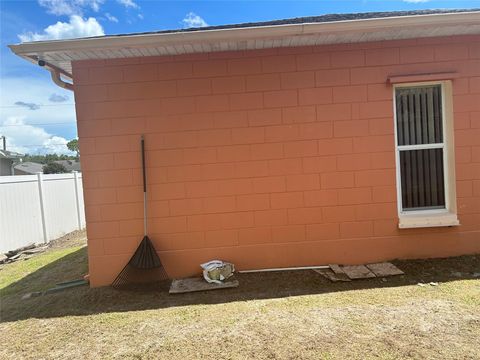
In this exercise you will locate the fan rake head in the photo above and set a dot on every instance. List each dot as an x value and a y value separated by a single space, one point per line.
142 268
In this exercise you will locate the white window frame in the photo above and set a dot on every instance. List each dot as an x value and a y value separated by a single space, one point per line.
430 217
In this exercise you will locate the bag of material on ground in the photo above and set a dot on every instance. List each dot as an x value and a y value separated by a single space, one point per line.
216 271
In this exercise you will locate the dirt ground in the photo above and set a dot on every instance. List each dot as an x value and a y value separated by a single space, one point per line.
75 238
287 315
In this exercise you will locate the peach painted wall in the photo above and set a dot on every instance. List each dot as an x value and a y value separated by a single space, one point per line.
270 158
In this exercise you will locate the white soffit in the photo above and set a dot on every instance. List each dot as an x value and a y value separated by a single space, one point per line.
60 53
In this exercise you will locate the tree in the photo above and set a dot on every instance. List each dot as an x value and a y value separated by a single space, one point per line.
72 145
54 168
47 158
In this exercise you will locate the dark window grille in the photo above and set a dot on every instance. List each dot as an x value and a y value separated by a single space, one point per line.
420 145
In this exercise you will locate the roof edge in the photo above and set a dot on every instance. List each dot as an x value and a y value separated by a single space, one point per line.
244 33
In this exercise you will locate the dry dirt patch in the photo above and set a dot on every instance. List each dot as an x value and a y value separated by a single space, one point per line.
73 239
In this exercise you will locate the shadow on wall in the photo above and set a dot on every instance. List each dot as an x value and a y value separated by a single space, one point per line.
86 301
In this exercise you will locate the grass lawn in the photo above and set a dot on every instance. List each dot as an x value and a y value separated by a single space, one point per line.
294 315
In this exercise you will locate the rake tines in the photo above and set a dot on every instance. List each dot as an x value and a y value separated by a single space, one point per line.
144 266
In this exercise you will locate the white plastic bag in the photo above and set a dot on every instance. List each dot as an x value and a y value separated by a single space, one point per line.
216 271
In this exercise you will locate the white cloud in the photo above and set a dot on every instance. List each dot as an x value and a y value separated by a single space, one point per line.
128 4
416 1
140 16
111 18
51 123
30 139
70 7
75 28
193 20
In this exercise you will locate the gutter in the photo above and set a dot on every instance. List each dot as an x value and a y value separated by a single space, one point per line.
248 33
35 51
58 80
55 73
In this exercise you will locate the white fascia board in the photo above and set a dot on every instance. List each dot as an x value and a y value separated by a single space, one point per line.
250 33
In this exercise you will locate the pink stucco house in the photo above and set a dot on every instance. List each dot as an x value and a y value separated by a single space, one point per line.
332 139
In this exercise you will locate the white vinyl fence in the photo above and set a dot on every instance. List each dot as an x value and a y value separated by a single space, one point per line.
39 208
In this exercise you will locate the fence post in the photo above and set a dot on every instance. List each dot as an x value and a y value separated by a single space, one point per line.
42 206
77 200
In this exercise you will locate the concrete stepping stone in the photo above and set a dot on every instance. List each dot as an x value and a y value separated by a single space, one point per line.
358 272
385 269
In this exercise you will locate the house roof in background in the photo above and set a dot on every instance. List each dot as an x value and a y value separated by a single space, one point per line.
10 154
316 30
70 165
29 167
33 167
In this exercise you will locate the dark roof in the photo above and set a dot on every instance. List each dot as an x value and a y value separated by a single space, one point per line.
70 165
29 167
311 19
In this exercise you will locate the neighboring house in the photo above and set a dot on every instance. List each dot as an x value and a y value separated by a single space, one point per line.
69 165
7 161
7 158
28 168
333 139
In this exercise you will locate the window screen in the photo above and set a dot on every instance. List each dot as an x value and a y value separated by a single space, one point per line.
420 144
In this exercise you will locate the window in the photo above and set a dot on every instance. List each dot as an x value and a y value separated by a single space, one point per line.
423 137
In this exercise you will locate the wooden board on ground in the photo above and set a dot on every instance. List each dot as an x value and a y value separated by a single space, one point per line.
336 269
332 275
11 253
385 269
34 251
198 284
358 272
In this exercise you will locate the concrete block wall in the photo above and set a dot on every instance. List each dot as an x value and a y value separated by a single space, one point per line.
267 158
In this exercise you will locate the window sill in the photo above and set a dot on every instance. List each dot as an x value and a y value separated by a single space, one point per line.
427 220
410 78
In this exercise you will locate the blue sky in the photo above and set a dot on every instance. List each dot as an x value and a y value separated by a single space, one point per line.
38 117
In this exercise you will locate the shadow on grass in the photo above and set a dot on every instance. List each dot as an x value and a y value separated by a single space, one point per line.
86 301
73 265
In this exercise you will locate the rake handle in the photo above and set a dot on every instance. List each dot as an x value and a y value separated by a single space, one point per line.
143 165
142 144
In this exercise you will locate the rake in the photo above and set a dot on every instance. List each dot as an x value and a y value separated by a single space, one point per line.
145 265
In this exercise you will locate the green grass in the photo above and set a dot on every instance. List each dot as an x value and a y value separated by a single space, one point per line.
291 315
17 271
23 275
